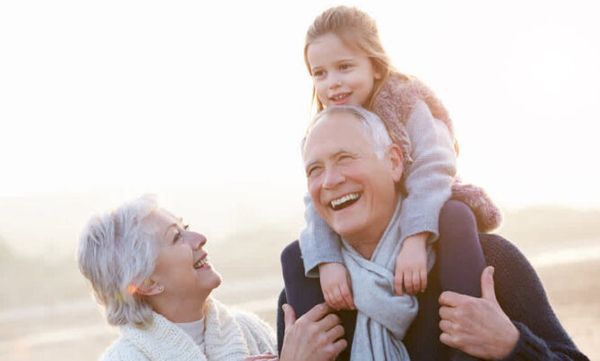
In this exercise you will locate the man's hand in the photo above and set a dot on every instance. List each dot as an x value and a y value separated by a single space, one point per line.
335 283
477 326
411 265
314 336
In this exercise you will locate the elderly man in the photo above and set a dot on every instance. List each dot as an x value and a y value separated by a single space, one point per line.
344 159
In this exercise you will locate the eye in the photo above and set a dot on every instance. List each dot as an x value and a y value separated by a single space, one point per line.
177 236
318 74
345 158
345 66
313 171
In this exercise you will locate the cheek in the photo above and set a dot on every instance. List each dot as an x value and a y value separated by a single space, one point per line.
321 91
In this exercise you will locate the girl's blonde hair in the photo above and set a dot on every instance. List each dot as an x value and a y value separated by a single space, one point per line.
356 29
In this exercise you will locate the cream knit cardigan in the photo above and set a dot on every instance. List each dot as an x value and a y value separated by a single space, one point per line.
229 335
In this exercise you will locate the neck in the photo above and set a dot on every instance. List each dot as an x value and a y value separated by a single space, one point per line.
366 242
178 309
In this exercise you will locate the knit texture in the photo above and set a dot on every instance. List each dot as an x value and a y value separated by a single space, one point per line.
383 317
228 336
394 104
522 297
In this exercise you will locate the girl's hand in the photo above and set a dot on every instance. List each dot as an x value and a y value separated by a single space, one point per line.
411 265
335 283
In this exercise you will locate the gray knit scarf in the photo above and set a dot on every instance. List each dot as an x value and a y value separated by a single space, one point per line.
383 317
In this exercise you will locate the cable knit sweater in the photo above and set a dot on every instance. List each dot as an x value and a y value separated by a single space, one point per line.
229 335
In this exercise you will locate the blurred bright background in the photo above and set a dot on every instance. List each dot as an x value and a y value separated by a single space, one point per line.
204 104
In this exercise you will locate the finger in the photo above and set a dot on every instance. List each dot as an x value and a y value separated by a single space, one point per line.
487 284
335 333
447 313
289 316
347 296
328 299
446 339
328 322
338 300
423 280
447 326
408 285
416 278
399 282
318 312
338 346
451 299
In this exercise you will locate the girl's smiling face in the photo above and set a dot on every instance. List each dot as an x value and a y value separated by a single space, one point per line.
341 74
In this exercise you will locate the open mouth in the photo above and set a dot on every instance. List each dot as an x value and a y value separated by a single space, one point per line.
340 98
344 201
201 263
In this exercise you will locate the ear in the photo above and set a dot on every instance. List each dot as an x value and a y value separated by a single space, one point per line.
149 288
377 71
396 159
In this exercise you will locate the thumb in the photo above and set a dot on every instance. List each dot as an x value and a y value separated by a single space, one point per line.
289 316
487 284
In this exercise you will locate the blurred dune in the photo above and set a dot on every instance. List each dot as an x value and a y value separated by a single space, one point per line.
49 313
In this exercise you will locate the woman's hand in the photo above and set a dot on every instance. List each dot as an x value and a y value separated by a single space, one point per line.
477 326
335 283
316 336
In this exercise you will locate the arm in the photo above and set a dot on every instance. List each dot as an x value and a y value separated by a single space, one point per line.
322 257
430 175
428 183
318 242
524 304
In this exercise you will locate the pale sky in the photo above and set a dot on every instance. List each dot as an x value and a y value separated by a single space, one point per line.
159 96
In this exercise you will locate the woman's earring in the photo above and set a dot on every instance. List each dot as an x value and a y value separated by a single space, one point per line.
160 288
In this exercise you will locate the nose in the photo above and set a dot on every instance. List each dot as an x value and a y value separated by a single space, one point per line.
334 81
195 240
332 178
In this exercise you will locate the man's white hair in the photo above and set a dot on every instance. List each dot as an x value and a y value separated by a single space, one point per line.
117 251
372 124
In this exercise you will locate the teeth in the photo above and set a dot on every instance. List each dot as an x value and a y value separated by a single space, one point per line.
201 262
344 199
339 96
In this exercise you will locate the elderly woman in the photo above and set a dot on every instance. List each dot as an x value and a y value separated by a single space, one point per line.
152 275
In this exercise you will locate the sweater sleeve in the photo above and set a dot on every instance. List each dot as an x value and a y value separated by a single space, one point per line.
318 242
522 297
430 175
532 347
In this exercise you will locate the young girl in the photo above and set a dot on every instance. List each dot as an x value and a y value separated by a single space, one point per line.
346 60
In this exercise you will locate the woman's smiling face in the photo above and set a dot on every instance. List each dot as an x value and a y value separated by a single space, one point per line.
182 266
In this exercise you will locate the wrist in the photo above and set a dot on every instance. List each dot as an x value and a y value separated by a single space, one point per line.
508 344
418 238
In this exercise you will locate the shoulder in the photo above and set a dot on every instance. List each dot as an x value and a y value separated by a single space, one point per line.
122 350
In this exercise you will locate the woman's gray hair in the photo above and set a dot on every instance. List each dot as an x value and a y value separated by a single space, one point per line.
117 251
372 124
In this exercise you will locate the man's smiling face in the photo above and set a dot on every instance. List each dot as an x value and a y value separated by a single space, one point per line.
351 187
